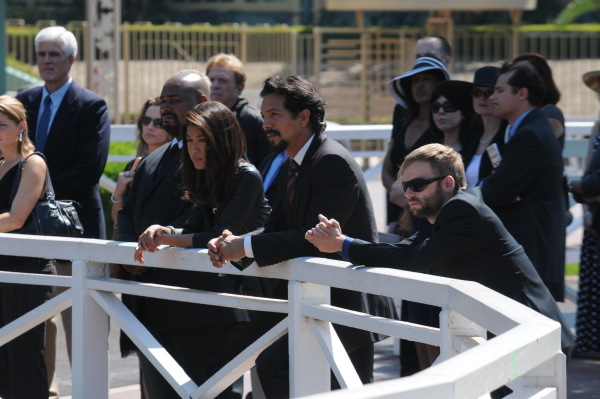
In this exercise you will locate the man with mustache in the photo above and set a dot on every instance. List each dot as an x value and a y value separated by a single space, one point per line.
319 176
191 333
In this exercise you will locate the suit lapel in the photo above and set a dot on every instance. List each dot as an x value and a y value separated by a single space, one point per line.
63 114
168 162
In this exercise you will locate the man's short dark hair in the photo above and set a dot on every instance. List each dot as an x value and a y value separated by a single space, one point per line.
299 94
525 76
446 47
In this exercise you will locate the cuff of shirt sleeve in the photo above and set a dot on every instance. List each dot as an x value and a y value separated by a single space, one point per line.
346 248
248 247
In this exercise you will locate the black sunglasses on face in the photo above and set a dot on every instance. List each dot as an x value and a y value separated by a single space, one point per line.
447 107
419 184
157 122
476 93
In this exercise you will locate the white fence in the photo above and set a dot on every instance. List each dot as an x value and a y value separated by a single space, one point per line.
525 355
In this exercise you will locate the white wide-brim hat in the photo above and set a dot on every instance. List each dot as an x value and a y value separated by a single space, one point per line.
422 64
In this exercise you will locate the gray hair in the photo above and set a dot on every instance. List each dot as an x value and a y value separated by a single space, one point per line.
53 33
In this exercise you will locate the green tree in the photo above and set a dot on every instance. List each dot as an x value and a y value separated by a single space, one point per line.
575 9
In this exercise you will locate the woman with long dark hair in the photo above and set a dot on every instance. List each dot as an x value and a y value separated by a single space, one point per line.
227 192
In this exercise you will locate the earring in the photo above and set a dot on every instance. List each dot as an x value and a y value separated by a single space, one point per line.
21 136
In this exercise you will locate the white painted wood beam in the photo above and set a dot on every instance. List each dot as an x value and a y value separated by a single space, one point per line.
145 342
334 351
363 321
34 317
240 364
189 295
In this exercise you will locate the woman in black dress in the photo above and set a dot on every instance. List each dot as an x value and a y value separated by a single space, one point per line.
22 368
412 90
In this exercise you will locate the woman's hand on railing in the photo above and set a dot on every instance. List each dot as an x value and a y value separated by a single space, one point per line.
326 236
153 237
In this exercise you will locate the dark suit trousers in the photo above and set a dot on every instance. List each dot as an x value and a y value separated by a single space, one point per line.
22 367
192 348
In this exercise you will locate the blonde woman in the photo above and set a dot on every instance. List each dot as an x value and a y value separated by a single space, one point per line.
22 359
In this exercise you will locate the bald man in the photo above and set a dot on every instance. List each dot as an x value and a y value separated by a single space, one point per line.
190 333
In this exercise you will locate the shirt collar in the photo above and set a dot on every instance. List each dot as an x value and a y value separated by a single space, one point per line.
176 141
300 155
58 95
518 121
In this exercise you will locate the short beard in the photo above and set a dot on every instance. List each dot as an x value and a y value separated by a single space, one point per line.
173 130
431 205
280 147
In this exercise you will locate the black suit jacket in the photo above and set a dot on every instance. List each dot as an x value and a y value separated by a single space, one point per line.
76 149
467 242
155 197
331 183
272 192
250 120
532 169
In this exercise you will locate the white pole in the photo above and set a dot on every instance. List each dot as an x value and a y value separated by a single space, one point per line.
90 336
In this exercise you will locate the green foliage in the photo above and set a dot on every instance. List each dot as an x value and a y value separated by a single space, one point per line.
21 66
575 9
572 269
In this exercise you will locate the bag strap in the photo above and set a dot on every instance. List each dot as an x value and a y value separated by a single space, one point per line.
17 181
135 164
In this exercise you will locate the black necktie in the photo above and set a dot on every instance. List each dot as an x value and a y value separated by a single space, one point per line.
292 174
43 126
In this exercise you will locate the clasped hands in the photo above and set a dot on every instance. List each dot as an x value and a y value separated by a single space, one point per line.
326 235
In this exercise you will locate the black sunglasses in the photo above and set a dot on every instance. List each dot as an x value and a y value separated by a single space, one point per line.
476 93
157 122
447 107
419 184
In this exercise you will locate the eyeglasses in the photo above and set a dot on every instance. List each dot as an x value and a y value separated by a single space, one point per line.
476 93
447 107
157 122
419 184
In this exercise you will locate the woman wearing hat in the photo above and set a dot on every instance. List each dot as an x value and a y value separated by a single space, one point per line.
491 129
412 90
587 191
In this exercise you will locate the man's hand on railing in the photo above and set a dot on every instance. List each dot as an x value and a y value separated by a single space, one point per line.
224 248
326 236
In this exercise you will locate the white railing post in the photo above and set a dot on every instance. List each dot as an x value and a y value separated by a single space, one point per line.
454 328
309 370
90 335
550 374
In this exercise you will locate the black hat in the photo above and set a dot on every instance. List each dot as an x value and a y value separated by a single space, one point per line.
422 64
592 80
457 95
458 92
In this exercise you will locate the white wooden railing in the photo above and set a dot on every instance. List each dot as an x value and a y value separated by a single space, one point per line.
525 355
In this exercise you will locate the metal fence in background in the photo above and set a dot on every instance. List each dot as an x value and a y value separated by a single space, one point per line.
350 66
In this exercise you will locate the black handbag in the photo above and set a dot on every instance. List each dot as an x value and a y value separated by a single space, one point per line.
49 217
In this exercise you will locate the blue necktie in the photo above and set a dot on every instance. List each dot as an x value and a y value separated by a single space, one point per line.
43 126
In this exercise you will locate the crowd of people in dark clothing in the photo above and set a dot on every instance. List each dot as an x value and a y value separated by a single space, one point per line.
474 174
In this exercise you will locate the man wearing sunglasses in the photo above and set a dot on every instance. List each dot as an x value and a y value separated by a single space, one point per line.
459 236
